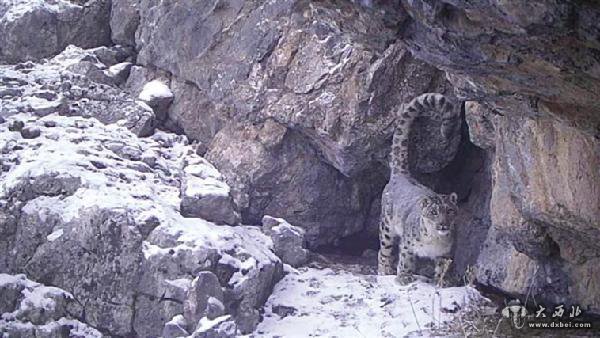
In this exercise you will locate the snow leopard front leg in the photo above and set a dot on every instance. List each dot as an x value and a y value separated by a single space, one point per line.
387 242
442 265
407 261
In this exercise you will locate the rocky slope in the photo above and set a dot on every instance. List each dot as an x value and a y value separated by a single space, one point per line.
96 211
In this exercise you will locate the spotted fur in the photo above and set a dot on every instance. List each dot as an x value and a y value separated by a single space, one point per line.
416 220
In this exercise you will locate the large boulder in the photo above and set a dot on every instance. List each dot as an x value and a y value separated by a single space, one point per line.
94 210
34 29
205 194
288 240
274 171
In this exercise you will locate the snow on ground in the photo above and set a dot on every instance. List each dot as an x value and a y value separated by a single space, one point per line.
312 302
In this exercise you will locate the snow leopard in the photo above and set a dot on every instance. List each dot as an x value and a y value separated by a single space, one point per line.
415 219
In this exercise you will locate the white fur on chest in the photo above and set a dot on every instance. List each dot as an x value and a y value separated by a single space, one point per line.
433 247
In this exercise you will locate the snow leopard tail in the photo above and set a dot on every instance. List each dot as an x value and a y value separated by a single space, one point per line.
434 102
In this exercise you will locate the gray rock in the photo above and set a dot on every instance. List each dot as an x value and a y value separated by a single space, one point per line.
175 328
120 72
124 20
30 309
204 287
214 308
275 171
16 125
118 245
30 132
288 240
222 327
481 125
43 29
158 96
75 82
205 194
113 55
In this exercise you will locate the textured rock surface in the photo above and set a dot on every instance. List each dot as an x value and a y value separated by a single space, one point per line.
538 54
74 82
214 204
204 287
34 29
288 240
330 71
124 20
272 170
545 203
82 209
30 309
534 65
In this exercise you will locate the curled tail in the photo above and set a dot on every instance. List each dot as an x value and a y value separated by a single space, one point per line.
425 102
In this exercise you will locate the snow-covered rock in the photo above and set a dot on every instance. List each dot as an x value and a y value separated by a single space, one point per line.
314 302
203 288
33 29
288 240
82 209
30 309
221 327
205 194
158 96
75 82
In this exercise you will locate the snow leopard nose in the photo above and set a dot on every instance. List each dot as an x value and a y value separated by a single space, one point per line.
446 226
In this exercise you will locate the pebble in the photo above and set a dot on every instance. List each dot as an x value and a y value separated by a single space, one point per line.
16 125
30 132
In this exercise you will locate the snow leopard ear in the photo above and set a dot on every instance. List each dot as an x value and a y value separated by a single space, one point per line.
425 202
453 198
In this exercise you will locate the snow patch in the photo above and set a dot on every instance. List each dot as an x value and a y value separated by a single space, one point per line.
312 302
155 89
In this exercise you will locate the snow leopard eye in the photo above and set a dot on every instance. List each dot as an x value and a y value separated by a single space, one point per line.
434 212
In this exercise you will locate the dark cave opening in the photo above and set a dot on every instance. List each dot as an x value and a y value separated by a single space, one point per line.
469 175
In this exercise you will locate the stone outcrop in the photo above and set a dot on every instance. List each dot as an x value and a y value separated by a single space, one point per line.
35 29
525 57
94 210
75 82
330 71
273 170
288 240
30 309
530 72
